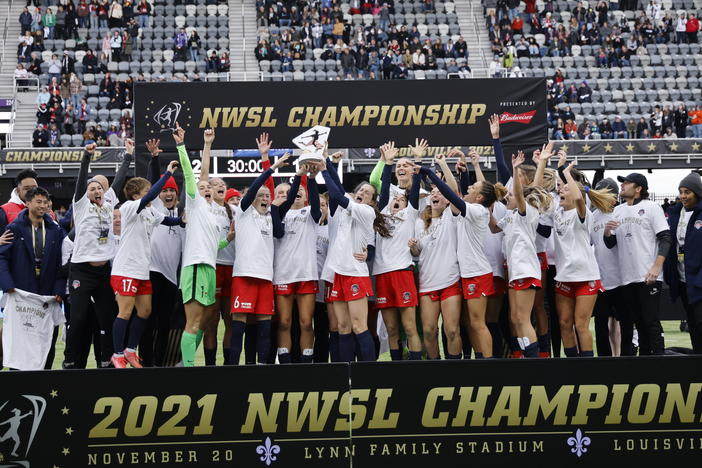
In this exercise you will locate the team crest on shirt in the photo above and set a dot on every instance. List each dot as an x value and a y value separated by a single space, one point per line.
591 284
304 211
642 212
75 284
406 296
698 224
471 288
355 289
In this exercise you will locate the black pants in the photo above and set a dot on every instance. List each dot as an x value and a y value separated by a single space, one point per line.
154 340
608 305
89 284
321 332
550 303
643 308
694 320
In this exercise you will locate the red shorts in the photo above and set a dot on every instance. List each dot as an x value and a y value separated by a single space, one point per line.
477 286
574 289
253 296
299 287
327 292
525 283
350 288
125 286
543 260
499 286
395 289
443 294
224 280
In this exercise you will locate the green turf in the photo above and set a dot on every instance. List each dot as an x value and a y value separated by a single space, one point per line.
671 328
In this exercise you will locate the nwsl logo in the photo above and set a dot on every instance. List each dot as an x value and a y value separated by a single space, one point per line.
167 116
524 118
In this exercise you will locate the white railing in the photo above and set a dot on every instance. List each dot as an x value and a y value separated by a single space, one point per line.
4 31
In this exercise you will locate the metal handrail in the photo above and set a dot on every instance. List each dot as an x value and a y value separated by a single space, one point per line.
4 31
15 101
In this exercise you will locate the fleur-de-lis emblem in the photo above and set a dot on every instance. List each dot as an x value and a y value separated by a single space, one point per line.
579 443
268 451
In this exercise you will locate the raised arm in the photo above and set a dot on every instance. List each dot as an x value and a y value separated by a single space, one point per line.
377 172
121 176
336 191
503 173
313 198
292 193
389 153
263 143
475 161
208 136
188 176
446 170
65 221
258 183
574 192
542 158
278 224
517 190
82 181
155 189
446 191
414 190
154 168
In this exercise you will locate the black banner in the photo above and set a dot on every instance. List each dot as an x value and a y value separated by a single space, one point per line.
58 155
554 412
360 113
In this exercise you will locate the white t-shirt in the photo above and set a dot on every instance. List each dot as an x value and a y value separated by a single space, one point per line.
133 258
253 244
296 252
111 197
27 329
166 245
327 274
471 236
393 253
519 243
226 255
636 238
681 232
94 241
438 262
607 259
493 243
201 233
353 234
575 259
322 249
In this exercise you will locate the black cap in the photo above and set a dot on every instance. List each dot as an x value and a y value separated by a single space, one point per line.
636 178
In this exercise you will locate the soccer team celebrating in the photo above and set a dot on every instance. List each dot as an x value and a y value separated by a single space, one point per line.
513 268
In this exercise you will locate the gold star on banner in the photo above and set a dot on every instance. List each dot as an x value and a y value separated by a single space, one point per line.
586 148
695 146
53 393
69 430
151 102
563 148
673 146
630 148
608 148
652 147
65 451
64 410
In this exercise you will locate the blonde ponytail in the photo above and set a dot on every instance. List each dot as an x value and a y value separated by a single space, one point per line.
538 197
603 199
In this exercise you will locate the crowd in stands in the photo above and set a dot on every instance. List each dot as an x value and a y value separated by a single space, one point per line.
63 106
373 50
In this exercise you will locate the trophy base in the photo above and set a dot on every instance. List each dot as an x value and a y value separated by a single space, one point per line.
310 157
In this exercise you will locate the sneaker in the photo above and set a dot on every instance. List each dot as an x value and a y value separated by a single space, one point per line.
118 361
544 354
517 354
132 359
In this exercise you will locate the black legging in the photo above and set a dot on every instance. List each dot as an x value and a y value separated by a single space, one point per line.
154 340
608 305
321 332
642 307
554 327
87 284
694 320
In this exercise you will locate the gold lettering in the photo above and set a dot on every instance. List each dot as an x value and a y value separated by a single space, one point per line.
396 115
432 116
449 116
428 418
414 115
464 110
297 418
466 404
233 116
383 115
312 116
540 403
379 421
258 411
371 113
329 119
253 118
476 111
675 401
586 401
268 121
357 412
652 391
350 117
209 119
615 409
507 406
293 119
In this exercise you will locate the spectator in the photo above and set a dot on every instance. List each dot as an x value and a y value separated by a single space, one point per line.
400 72
631 128
144 12
43 114
115 14
194 46
619 128
116 46
681 28
213 62
83 14
67 64
49 22
605 129
348 63
100 136
460 49
90 63
20 76
75 86
107 86
669 135
180 42
418 60
69 127
40 137
287 63
54 136
60 28
223 64
103 14
38 21
680 121
54 69
82 114
43 96
691 28
25 20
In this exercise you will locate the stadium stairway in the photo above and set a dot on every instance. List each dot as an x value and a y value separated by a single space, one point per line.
242 37
472 23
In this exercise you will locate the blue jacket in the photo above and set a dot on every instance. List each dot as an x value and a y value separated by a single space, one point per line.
17 259
693 255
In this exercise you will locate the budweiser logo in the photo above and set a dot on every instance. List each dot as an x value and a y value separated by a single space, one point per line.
524 118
